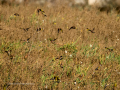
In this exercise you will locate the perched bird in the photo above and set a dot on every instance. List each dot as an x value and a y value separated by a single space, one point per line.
56 79
28 39
60 58
39 29
40 10
16 14
9 54
73 27
92 31
52 40
109 49
25 29
60 30
97 68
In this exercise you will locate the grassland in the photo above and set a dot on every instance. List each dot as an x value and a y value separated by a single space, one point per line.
59 48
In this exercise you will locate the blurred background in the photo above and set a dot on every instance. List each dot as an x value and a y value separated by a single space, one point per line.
48 2
72 3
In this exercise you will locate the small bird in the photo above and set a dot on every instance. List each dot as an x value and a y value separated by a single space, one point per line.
97 68
39 29
25 29
52 40
40 10
92 31
73 27
60 58
60 30
16 14
109 49
56 79
28 39
9 54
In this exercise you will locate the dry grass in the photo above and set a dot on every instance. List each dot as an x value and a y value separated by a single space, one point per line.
33 55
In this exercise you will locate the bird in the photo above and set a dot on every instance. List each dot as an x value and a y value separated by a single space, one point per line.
9 54
28 39
56 79
60 30
92 31
97 68
109 49
16 14
39 29
73 27
25 29
40 10
53 40
60 58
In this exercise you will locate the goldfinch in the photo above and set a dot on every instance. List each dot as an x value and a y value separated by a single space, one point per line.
60 30
40 10
52 40
25 29
39 29
92 31
16 14
9 54
109 49
56 79
28 39
73 27
60 58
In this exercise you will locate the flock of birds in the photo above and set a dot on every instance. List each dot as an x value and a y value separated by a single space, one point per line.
55 78
52 40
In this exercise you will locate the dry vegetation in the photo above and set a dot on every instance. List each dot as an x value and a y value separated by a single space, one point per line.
60 48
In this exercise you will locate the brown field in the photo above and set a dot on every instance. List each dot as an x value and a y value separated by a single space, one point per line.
39 52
